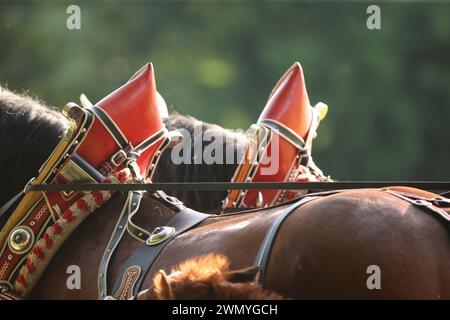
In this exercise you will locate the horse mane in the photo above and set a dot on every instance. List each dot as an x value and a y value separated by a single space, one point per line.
29 130
208 277
216 172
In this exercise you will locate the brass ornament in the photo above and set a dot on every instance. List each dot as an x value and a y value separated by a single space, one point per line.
160 234
21 239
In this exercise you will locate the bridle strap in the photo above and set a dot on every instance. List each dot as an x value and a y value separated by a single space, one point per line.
127 151
111 126
147 143
246 171
285 132
106 121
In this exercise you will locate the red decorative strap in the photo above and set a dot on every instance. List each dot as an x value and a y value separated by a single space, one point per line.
44 248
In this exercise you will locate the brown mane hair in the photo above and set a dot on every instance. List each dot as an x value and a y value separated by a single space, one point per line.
232 142
29 131
207 277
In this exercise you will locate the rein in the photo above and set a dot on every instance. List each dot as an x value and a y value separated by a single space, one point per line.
219 186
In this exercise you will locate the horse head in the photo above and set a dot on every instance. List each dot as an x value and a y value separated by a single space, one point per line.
119 138
128 126
282 142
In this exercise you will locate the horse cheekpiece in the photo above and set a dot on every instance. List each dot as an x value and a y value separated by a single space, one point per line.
282 137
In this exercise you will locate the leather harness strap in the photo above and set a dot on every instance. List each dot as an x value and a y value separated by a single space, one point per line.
262 257
130 207
139 263
292 137
424 203
263 254
144 256
111 126
141 260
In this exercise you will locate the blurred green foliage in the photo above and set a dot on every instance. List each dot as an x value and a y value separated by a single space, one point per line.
388 90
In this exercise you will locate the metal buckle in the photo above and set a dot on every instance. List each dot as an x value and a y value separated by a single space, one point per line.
160 234
135 171
4 287
29 183
118 158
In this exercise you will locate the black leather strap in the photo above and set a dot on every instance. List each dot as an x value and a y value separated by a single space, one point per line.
149 141
144 256
90 170
295 139
264 251
130 207
110 126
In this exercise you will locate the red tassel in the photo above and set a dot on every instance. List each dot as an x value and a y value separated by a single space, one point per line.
82 205
30 266
98 197
48 241
39 252
21 279
68 215
57 229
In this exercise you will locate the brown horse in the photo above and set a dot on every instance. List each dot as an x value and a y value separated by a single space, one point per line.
325 248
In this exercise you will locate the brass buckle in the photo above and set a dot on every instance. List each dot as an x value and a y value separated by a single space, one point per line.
118 158
4 286
29 183
160 234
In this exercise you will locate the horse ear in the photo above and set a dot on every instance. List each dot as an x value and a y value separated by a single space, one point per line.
163 289
250 274
288 103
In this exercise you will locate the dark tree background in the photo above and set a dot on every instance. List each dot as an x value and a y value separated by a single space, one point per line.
388 90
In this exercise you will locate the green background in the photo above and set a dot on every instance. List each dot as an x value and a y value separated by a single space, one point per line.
388 90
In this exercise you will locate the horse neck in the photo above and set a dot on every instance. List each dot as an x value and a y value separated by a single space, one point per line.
29 131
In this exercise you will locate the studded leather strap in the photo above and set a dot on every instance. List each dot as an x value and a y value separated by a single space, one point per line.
144 256
130 207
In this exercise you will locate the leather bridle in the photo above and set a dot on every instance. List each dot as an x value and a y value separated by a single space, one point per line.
220 186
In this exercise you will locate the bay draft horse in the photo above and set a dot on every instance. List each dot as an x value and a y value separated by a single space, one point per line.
323 249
